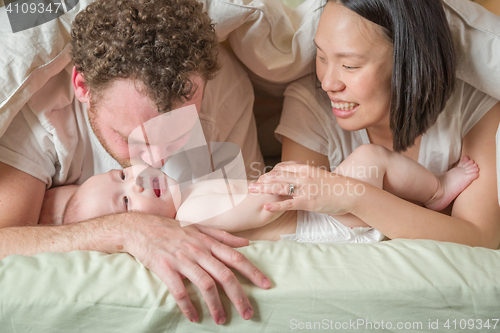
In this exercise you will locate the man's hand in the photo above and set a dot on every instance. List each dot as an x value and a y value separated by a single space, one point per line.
200 254
54 203
159 243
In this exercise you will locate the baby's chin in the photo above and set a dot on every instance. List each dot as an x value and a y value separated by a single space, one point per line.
170 215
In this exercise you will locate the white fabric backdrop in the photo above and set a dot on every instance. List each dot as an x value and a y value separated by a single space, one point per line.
272 40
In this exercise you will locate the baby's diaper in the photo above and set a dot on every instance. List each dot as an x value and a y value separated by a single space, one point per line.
322 228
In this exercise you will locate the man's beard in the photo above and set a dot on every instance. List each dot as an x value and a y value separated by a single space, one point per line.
124 162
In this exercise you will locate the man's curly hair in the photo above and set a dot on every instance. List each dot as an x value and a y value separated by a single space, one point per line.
161 43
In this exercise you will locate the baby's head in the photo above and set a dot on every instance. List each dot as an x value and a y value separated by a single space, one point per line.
137 188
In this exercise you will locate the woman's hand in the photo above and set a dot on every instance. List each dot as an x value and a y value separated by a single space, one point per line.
314 189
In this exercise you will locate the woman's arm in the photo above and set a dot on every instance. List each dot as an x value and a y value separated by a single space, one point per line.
293 151
475 218
479 202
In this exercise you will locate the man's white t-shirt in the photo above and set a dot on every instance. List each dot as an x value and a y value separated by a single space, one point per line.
50 138
307 119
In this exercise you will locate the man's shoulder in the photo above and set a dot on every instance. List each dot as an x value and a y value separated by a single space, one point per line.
231 73
228 93
230 63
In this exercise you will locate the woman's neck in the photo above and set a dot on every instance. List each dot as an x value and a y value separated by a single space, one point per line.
384 138
381 136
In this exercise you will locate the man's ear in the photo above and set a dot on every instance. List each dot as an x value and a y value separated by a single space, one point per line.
81 90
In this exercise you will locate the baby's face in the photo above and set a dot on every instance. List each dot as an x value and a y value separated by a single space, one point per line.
137 188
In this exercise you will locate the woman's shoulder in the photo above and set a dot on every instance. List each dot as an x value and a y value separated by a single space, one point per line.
306 86
443 141
466 106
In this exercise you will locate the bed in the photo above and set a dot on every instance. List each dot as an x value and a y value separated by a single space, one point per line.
405 284
392 286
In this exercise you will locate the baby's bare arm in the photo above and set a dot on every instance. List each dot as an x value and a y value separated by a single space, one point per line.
211 205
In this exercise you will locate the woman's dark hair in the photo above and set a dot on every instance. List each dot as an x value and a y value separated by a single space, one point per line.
423 75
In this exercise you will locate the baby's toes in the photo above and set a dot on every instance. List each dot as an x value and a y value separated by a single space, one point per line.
464 160
472 169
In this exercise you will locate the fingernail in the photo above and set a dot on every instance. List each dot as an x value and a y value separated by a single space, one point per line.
194 319
248 314
268 206
266 282
222 320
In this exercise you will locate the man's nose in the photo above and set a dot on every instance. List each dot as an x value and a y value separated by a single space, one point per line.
332 81
155 155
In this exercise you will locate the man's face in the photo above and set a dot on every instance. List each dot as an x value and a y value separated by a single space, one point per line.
121 109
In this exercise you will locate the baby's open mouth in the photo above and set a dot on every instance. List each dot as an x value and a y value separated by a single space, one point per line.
155 183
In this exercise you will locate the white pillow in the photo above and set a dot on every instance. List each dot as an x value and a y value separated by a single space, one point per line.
29 58
270 39
476 33
280 49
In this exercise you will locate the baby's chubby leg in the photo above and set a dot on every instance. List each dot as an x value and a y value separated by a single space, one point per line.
406 178
367 164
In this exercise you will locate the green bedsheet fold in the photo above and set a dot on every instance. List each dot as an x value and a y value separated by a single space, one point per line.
393 286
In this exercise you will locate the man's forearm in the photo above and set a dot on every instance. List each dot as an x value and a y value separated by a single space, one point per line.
101 234
161 245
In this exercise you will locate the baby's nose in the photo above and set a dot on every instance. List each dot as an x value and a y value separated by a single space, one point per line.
138 188
138 184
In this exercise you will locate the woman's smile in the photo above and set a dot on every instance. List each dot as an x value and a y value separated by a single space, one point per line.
343 109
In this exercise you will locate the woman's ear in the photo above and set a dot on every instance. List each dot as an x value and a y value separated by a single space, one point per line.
81 89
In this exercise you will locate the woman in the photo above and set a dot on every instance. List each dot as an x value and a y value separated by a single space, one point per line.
386 70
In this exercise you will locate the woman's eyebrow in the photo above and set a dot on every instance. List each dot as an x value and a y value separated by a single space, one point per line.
349 55
315 44
343 54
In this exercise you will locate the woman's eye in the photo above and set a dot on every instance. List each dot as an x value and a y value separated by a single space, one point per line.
349 67
125 202
122 175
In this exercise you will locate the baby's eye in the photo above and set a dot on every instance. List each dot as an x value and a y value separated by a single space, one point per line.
125 202
122 175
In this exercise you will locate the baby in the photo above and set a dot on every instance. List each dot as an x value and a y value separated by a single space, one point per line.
227 204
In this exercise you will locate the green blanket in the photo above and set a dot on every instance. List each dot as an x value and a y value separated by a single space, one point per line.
394 286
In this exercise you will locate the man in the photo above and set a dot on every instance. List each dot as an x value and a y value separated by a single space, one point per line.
134 60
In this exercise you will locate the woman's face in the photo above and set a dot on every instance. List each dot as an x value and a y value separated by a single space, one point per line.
354 66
